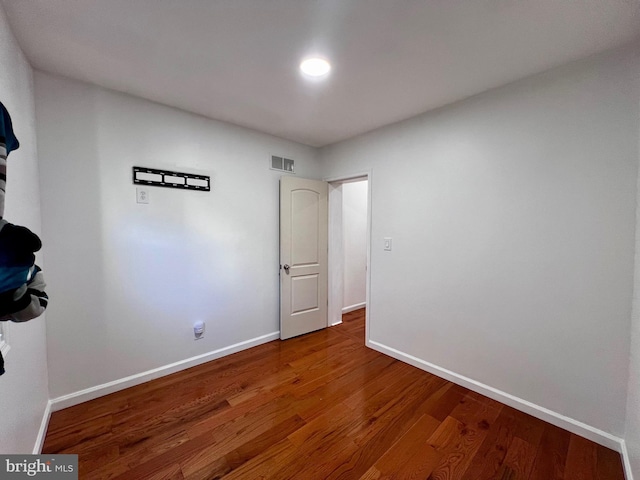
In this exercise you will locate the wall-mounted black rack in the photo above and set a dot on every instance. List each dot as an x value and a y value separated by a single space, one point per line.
167 178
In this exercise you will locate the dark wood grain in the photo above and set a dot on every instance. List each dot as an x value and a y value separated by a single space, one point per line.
320 406
581 459
552 455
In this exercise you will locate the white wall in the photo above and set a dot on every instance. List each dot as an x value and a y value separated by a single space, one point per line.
354 231
23 389
512 215
134 278
632 426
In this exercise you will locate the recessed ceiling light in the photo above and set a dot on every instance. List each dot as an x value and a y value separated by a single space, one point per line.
315 67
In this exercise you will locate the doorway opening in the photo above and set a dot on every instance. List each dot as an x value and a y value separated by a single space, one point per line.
349 247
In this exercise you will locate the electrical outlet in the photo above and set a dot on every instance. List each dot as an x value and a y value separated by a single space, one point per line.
198 330
142 195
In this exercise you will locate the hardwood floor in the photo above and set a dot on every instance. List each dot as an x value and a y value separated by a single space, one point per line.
319 406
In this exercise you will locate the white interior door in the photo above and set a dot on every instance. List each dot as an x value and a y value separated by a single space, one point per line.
303 256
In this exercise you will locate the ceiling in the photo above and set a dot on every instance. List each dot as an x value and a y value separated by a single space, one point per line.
237 60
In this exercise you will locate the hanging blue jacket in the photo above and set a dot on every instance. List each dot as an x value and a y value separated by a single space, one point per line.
6 131
22 295
8 143
17 248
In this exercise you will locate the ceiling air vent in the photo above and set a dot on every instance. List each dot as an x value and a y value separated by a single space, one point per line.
282 164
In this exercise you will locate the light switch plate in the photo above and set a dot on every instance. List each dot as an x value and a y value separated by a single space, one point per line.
142 195
387 243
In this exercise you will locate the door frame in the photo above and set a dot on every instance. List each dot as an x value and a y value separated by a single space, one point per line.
335 264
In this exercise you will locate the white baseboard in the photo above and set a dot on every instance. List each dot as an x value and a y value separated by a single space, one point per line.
574 426
42 433
356 306
626 461
76 398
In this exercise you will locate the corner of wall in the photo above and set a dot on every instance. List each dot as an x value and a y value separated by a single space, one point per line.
24 387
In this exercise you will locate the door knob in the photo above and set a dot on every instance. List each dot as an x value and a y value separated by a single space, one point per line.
286 268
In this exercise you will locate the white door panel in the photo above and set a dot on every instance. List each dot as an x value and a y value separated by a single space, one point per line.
305 217
304 293
303 256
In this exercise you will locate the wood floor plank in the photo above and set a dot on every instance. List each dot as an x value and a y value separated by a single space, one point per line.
263 386
139 451
528 428
519 460
237 435
158 464
581 459
329 421
244 422
411 456
552 455
319 406
448 402
95 458
77 433
321 463
266 464
492 452
608 464
478 413
394 377
388 382
178 415
320 445
253 448
88 411
231 455
457 446
172 472
381 427
313 402
460 436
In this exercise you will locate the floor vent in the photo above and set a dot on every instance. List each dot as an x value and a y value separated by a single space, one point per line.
282 164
